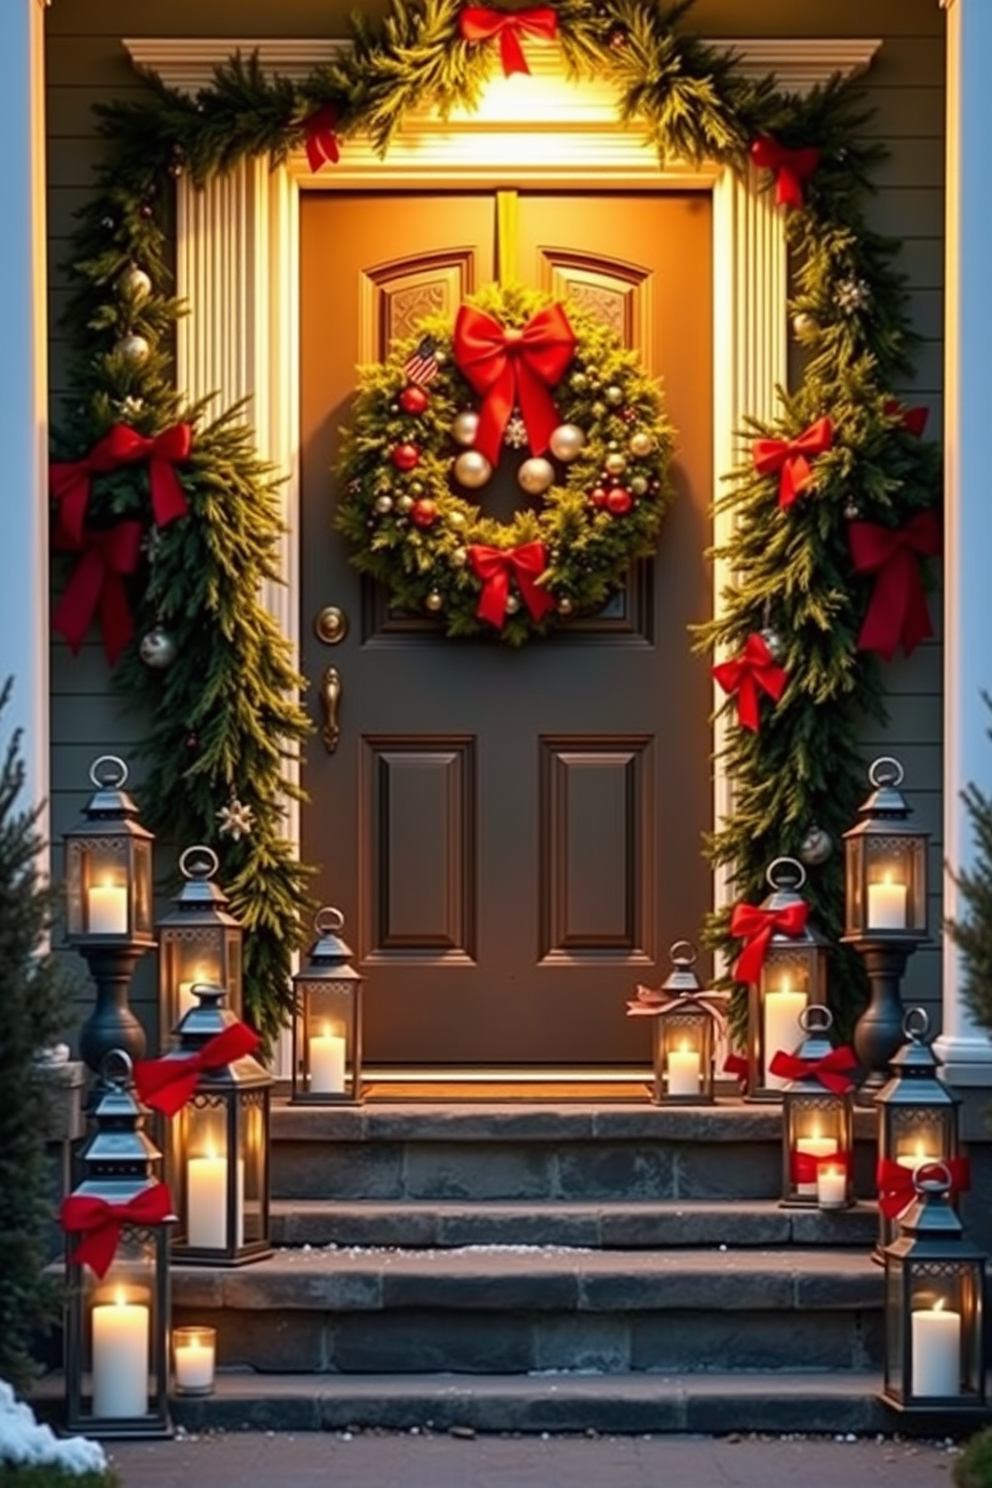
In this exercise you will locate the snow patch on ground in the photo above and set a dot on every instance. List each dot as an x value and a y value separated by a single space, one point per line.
27 1443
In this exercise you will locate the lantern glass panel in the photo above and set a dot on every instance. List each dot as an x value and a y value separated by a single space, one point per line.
818 1129
789 983
944 1302
895 1332
121 1324
254 1150
894 874
201 1151
854 886
329 1015
143 889
683 1055
914 1134
97 877
203 953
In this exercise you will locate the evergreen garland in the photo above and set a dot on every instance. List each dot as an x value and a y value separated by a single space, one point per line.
792 568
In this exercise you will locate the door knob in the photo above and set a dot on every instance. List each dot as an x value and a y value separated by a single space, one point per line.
330 701
330 625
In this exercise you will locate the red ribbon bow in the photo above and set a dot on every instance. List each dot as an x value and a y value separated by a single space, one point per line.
72 481
737 1065
896 1189
805 1168
897 611
100 1223
97 582
478 23
833 1071
789 456
756 926
754 668
655 1002
167 1084
507 366
791 167
319 131
913 420
494 567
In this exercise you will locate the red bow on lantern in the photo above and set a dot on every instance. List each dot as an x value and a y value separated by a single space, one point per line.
477 23
167 1084
737 1066
506 366
913 420
756 926
833 1071
320 137
789 456
97 582
655 1002
100 1223
805 1168
495 565
897 611
754 668
896 1188
71 481
791 167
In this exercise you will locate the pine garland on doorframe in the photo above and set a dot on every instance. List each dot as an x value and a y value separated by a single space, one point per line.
973 932
794 571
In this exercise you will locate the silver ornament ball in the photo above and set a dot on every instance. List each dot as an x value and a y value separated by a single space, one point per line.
566 443
465 428
459 557
815 847
535 475
614 395
158 649
774 642
640 444
615 464
564 605
472 470
512 604
639 485
434 602
852 511
136 283
578 382
383 504
133 348
404 503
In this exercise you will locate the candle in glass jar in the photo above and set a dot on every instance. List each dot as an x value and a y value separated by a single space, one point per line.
327 1063
107 909
683 1071
887 905
195 1351
936 1351
120 1359
781 1027
818 1147
831 1186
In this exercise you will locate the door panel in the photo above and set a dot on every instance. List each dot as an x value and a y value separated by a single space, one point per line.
513 837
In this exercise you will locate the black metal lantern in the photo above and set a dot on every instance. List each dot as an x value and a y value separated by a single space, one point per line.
200 941
817 1127
108 878
793 977
684 1017
934 1276
117 1274
885 872
917 1123
327 1028
218 1148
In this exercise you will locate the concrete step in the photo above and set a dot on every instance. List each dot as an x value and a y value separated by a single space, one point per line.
614 1225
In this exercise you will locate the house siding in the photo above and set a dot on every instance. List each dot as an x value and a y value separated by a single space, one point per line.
86 64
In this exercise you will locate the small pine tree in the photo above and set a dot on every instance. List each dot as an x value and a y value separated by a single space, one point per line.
33 1012
974 933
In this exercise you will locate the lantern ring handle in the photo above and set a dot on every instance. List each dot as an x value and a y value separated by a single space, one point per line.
328 919
116 1068
773 873
941 1183
683 960
816 1017
108 759
199 861
916 1024
878 780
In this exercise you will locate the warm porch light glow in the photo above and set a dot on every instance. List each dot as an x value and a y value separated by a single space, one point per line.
887 904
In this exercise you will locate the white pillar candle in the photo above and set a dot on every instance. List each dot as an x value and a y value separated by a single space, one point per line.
120 1359
813 1147
781 1018
206 1179
831 1186
327 1063
683 1072
916 1157
107 904
195 1357
936 1360
887 905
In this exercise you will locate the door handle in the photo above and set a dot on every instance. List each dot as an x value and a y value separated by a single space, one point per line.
330 702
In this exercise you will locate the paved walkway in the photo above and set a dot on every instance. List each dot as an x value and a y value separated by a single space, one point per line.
247 1460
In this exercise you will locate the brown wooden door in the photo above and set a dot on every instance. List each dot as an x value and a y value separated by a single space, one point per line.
513 836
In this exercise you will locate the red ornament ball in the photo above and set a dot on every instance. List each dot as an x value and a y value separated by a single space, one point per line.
414 399
423 513
619 501
598 496
405 456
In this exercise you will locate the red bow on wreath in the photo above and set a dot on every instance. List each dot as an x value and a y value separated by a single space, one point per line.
791 168
913 420
100 1223
167 1084
897 611
495 565
756 927
320 137
71 481
754 668
896 1187
833 1071
478 23
789 456
97 582
507 366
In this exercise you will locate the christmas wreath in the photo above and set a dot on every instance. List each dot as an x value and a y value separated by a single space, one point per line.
517 376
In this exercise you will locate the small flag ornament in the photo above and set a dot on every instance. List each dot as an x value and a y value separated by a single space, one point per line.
422 366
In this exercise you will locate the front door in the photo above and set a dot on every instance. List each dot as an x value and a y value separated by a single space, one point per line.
514 836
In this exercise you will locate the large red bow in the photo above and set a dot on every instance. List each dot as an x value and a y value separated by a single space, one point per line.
100 1223
804 1167
754 668
789 456
913 420
477 23
494 567
97 582
833 1071
791 167
737 1065
506 365
896 1188
167 1084
319 131
756 926
655 1002
71 481
897 611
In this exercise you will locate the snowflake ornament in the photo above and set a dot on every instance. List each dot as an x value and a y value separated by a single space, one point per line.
852 295
131 407
236 820
515 433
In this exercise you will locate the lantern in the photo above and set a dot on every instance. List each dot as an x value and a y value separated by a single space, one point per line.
327 1028
817 1122
684 1017
199 942
934 1354
117 1274
792 977
108 877
218 1148
918 1123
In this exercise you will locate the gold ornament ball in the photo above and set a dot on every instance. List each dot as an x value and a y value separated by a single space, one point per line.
472 470
639 485
457 520
614 395
133 348
615 464
434 602
535 475
598 409
564 605
465 428
578 382
459 557
512 604
136 283
566 443
801 323
640 444
383 504
404 504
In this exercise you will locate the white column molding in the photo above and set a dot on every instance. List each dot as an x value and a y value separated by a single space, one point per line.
965 1048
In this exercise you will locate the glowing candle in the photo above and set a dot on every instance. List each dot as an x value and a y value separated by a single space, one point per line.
936 1351
913 1159
120 1359
781 1015
206 1179
887 905
831 1186
195 1350
683 1071
327 1063
814 1146
107 909
202 975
